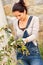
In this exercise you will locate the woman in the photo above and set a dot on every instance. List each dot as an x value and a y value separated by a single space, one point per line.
27 29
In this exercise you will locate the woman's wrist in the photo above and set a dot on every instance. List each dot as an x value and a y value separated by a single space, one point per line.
25 40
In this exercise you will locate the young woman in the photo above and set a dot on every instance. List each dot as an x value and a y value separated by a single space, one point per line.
27 28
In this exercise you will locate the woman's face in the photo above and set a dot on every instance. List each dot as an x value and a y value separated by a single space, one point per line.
20 15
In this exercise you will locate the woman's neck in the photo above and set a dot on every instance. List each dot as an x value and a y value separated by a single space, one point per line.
22 24
25 19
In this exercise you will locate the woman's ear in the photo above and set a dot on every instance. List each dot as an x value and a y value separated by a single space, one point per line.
24 11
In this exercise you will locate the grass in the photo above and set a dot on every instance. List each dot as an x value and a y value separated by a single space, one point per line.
40 40
41 48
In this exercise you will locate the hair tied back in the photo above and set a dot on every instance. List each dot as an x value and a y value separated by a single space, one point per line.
21 2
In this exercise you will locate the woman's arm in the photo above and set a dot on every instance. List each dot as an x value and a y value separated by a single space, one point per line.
35 30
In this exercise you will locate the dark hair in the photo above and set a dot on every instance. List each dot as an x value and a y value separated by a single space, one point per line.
20 6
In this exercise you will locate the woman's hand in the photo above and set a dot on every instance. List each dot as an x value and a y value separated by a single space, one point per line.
25 40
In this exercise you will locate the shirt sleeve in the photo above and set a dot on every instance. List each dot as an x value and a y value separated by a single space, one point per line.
35 30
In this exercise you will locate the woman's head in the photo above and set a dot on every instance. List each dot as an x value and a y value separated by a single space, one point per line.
19 9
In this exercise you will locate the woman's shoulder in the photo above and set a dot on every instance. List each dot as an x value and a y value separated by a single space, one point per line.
35 17
35 20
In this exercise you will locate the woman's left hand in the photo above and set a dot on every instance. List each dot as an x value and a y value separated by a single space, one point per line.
25 40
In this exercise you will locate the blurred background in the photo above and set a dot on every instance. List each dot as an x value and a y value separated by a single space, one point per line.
35 7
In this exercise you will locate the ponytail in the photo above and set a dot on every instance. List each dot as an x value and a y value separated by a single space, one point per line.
20 6
22 2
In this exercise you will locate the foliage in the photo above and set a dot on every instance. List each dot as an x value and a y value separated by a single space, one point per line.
41 49
7 52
